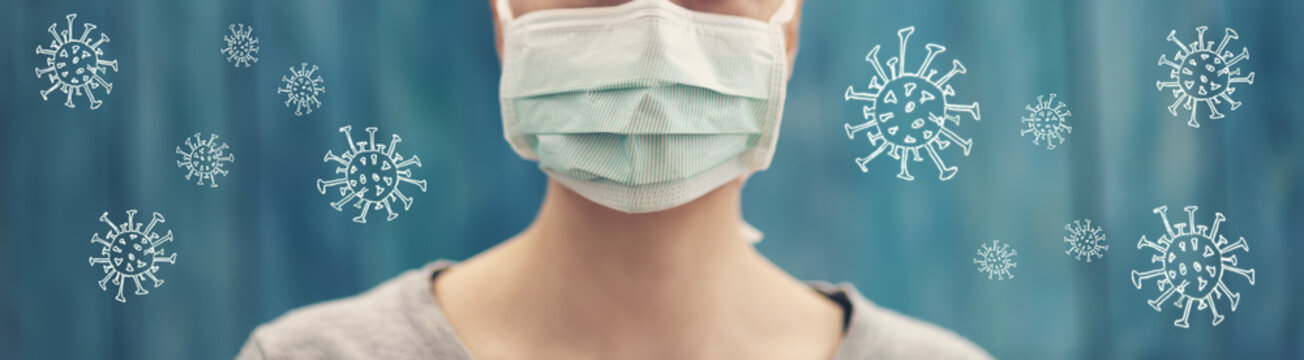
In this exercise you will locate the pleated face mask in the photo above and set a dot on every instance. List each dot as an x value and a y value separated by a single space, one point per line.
643 106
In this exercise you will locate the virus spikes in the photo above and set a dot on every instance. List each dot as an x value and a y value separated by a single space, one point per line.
371 132
946 172
1192 260
1046 122
131 253
302 89
204 159
117 230
965 144
957 68
1203 74
872 58
918 100
75 66
153 221
242 32
348 138
904 35
897 65
370 175
241 46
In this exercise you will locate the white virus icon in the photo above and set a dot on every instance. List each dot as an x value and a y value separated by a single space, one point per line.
131 253
370 174
1047 122
1192 261
204 159
302 89
1085 239
996 260
909 111
241 46
1203 74
74 64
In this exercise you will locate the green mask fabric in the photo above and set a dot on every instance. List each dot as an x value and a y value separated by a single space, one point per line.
646 105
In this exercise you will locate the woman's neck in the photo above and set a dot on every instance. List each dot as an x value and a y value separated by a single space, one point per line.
683 282
574 234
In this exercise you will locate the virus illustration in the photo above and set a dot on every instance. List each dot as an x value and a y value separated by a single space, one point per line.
301 88
1085 239
1046 122
1203 74
909 111
241 46
75 65
996 260
204 159
1192 261
370 174
131 253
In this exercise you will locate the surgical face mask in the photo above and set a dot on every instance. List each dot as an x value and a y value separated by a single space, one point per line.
646 105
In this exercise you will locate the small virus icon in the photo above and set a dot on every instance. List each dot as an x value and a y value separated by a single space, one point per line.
74 64
996 260
1204 74
204 159
909 111
1085 239
1192 260
130 253
1046 122
241 46
301 88
370 174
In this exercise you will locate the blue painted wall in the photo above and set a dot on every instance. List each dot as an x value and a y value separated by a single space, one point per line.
266 241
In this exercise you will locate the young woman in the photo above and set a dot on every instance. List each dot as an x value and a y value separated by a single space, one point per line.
648 116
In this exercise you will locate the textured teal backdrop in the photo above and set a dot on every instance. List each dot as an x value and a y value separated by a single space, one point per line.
266 241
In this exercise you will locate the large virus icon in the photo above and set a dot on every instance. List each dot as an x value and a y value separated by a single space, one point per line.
996 260
302 89
204 159
241 46
1047 122
1192 261
75 65
1203 74
131 253
909 111
1085 239
370 174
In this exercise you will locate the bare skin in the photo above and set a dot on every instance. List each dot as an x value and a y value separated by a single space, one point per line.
587 282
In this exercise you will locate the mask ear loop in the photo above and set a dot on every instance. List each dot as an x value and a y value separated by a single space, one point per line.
504 11
785 13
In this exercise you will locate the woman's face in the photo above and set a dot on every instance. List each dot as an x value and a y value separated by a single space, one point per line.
755 9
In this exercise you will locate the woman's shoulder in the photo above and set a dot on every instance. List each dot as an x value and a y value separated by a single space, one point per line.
389 321
874 332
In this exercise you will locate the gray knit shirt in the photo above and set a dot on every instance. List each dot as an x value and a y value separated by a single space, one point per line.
399 319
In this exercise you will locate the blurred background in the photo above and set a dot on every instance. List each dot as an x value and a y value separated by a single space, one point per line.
266 241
